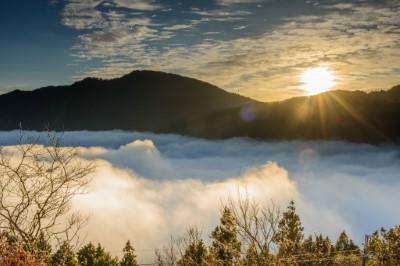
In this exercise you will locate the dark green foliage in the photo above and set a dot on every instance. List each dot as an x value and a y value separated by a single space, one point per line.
225 246
290 233
129 258
64 256
90 255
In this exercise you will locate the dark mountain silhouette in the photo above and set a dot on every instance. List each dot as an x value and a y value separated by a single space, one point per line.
168 103
336 115
141 100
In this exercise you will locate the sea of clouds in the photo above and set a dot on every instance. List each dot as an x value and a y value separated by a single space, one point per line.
148 187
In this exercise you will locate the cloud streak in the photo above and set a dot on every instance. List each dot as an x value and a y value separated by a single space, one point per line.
347 37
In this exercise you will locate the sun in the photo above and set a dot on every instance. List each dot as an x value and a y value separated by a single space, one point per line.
317 79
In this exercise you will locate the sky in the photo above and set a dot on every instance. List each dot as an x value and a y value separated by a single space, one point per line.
257 48
149 187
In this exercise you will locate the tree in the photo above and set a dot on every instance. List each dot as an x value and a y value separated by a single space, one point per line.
12 253
89 255
256 225
168 255
290 234
43 248
192 248
37 185
318 251
225 246
384 246
64 256
129 258
345 245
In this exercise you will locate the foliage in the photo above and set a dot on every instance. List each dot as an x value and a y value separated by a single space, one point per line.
225 246
290 233
90 255
318 251
192 248
129 258
64 256
13 253
346 245
384 247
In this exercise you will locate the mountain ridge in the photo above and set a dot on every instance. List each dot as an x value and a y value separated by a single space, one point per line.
169 103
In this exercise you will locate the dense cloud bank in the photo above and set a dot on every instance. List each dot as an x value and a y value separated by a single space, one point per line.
150 186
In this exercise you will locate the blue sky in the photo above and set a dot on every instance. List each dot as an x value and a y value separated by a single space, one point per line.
257 48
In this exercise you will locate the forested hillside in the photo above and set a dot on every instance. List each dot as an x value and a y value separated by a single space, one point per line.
168 103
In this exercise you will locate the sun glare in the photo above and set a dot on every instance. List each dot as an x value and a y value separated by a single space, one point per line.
316 80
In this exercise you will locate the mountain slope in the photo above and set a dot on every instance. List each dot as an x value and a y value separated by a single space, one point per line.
141 100
336 115
168 103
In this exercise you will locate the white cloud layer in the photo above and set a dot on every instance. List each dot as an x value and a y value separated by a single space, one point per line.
150 186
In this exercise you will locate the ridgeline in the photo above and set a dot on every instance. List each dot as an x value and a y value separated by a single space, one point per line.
168 103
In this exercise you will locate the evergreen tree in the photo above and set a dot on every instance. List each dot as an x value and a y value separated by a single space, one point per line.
316 252
129 258
43 248
64 256
345 245
225 246
87 255
290 234
384 246
254 257
90 255
195 255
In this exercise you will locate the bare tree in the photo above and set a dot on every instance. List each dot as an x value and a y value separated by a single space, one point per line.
168 255
188 250
37 185
256 227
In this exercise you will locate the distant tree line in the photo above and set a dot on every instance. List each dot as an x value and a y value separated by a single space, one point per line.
37 184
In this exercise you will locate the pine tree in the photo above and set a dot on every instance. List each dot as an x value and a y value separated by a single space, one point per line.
290 233
129 258
64 256
43 248
346 245
384 246
195 255
225 246
90 255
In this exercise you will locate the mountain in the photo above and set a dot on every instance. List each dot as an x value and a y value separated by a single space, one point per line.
141 100
335 115
168 103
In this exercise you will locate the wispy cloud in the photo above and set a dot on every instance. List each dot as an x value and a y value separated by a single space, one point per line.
147 5
178 27
82 14
350 37
230 2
